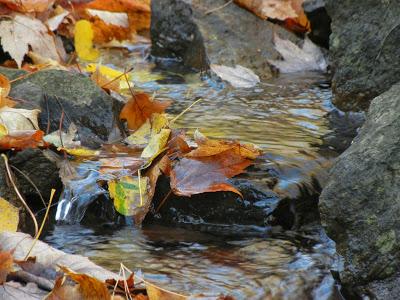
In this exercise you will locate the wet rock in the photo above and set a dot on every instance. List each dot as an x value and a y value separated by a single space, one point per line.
364 50
361 203
231 35
56 91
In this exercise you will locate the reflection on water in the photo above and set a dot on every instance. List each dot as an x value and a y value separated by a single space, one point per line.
198 263
284 116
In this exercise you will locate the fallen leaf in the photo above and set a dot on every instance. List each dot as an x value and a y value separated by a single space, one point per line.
239 77
112 18
208 174
140 108
88 287
296 59
151 127
56 20
105 77
28 6
9 216
80 151
84 41
5 88
6 265
65 139
129 194
17 119
156 144
62 291
22 140
155 292
19 32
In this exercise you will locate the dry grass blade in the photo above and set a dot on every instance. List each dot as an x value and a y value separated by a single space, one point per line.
10 177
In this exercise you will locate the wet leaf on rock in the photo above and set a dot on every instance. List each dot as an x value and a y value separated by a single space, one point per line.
239 77
9 216
140 108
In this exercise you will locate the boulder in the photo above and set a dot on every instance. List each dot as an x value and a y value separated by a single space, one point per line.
364 50
201 31
360 205
81 100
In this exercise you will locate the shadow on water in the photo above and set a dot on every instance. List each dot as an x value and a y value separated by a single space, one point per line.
285 116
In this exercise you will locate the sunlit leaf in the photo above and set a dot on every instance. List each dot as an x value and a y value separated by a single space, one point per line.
84 41
9 216
140 108
129 194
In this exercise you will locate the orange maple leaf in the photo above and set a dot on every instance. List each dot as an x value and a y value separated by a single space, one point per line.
140 108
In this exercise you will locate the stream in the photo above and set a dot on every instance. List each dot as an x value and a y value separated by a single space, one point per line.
285 116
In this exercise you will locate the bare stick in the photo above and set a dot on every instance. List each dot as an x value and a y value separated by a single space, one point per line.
218 8
9 173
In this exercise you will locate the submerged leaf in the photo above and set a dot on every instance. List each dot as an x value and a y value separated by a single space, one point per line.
238 76
140 108
296 59
84 41
9 216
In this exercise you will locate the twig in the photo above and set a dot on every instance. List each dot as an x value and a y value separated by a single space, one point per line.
10 177
218 8
60 128
41 226
27 74
31 182
48 114
163 201
185 110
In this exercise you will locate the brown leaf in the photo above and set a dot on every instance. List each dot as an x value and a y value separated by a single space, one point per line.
207 174
5 88
88 287
156 293
140 108
28 6
6 265
23 140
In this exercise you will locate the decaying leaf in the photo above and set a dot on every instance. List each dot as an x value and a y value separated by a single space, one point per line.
6 265
16 119
238 76
9 216
21 31
84 41
129 194
296 59
28 6
140 108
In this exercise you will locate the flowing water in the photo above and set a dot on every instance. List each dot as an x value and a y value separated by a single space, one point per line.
285 116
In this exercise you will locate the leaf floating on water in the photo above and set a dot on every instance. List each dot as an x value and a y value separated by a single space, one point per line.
20 32
239 77
84 41
9 216
140 108
296 59
129 194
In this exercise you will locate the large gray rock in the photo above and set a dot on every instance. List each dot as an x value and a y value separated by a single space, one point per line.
201 31
54 91
364 50
360 206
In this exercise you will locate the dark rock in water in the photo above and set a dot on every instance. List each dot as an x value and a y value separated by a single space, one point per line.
364 50
54 91
319 20
360 206
175 35
231 35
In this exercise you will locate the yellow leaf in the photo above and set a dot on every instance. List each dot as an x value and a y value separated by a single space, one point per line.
129 195
104 70
9 216
3 130
80 151
84 41
156 144
143 135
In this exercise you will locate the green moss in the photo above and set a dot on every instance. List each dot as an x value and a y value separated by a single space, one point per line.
386 242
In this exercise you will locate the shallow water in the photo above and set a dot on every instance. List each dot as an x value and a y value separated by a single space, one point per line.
285 117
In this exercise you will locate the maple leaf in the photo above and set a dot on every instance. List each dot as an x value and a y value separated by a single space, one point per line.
20 32
140 108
